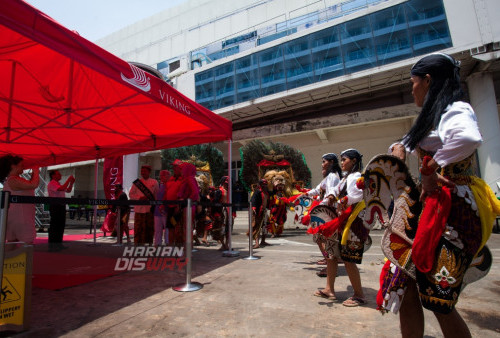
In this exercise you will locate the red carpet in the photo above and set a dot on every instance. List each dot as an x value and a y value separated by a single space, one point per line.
55 271
67 238
41 240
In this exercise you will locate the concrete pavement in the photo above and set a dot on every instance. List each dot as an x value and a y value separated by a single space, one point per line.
269 297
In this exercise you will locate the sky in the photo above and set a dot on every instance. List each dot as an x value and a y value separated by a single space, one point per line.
94 19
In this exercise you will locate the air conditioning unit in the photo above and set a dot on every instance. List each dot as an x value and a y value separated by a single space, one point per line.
478 50
179 66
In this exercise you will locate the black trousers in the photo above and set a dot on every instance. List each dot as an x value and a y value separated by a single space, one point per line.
57 222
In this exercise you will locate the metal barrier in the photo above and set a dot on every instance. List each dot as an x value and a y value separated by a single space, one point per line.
250 257
188 286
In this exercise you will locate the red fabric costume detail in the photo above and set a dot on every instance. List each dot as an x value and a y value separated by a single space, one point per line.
307 218
291 200
430 228
383 273
327 229
266 163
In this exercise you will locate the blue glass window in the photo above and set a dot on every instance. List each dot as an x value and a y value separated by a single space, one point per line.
205 93
326 54
390 34
428 26
247 78
357 45
298 63
224 85
395 33
272 71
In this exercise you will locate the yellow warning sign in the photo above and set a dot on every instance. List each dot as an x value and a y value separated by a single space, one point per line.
12 298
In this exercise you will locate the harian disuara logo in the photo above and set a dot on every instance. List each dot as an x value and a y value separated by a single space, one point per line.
150 258
140 79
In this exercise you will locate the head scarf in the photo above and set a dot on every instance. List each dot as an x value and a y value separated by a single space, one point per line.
353 153
436 65
334 167
330 157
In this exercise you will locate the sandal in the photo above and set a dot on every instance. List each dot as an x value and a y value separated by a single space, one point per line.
354 301
322 294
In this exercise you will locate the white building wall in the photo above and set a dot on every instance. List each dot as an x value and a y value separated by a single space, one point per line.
493 10
473 23
186 85
197 23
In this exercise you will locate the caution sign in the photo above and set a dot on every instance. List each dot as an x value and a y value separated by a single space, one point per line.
9 292
16 289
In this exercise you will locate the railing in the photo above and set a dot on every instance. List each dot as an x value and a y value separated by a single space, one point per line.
281 29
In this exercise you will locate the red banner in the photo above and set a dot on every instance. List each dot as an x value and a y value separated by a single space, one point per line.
112 175
267 163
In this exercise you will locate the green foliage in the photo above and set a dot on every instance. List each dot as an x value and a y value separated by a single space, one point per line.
253 152
203 152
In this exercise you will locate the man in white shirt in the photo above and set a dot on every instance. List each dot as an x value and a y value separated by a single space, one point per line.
144 188
58 210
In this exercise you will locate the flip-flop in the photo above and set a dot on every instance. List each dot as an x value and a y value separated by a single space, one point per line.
354 301
321 294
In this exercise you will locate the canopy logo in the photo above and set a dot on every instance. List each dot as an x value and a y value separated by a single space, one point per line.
140 80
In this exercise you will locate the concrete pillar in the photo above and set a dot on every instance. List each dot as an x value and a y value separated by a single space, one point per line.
130 170
483 100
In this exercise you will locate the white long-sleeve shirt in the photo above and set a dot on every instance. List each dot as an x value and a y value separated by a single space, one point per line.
456 137
354 195
328 184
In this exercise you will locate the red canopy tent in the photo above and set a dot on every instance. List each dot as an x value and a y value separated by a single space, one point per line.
64 99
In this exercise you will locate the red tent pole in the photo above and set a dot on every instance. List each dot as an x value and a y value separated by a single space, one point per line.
94 219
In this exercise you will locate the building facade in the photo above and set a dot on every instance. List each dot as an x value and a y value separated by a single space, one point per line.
323 75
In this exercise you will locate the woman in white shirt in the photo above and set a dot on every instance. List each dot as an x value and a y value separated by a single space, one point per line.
444 136
21 216
348 195
325 190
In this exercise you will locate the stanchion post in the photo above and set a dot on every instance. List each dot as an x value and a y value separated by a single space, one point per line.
250 257
118 227
94 219
230 252
4 209
188 286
